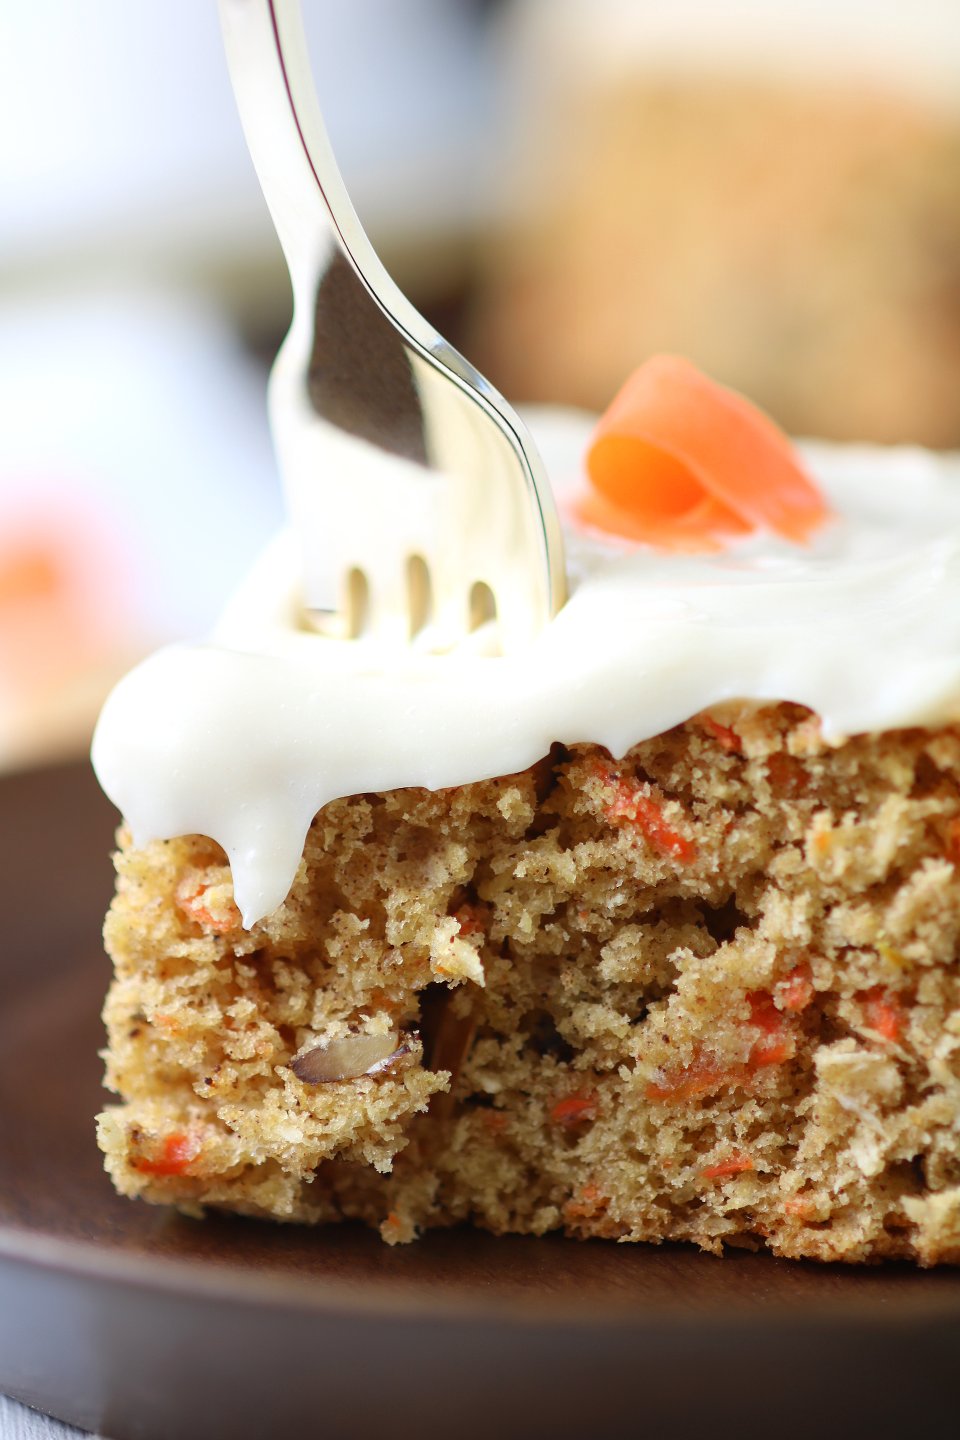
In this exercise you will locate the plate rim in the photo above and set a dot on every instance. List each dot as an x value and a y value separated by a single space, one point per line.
326 1296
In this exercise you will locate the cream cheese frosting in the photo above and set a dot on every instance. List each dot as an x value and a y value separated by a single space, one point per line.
245 736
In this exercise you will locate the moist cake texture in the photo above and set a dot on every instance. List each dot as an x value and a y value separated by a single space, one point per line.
707 992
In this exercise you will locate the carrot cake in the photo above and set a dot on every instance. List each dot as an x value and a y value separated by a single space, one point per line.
770 188
646 932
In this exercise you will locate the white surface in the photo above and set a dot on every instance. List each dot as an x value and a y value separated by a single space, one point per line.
119 133
19 1423
141 410
136 469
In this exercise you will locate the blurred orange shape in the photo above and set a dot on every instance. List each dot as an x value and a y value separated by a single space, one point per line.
62 594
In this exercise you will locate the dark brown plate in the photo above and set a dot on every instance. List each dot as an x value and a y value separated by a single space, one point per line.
120 1317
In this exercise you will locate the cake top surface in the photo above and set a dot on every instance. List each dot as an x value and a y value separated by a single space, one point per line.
245 736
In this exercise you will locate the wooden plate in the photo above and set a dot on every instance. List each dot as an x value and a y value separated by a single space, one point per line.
119 1317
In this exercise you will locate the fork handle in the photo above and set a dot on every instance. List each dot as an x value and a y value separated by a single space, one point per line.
305 194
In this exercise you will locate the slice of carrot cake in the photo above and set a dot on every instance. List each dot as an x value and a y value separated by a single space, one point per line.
647 932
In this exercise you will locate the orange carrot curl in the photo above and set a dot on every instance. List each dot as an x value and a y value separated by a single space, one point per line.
685 464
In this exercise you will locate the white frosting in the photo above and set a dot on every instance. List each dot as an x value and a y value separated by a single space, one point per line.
245 737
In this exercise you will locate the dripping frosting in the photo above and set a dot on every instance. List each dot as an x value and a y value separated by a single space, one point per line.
245 736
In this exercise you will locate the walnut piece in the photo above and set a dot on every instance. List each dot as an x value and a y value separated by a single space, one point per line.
350 1057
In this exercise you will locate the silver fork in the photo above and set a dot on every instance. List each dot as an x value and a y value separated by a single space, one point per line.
420 500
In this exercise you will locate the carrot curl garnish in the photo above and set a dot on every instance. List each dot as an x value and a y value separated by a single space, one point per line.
685 464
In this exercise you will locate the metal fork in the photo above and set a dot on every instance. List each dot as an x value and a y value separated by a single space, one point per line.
420 500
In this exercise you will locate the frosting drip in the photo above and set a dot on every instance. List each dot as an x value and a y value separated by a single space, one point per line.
245 737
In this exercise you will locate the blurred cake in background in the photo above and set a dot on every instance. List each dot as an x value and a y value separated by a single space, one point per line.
773 190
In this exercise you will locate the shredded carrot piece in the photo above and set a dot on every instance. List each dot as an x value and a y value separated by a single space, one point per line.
706 1074
795 991
778 1045
736 1165
800 1207
190 902
772 1052
649 817
763 1012
590 1201
175 1154
630 805
883 1012
471 919
574 1109
726 738
686 464
395 1229
702 1076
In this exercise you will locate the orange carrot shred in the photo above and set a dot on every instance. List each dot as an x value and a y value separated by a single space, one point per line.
777 1045
470 919
772 1052
191 905
574 1109
591 1201
799 1206
703 1075
176 1153
685 464
726 738
630 806
795 991
736 1165
883 1012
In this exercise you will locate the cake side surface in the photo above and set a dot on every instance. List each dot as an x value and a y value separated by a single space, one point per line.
706 992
